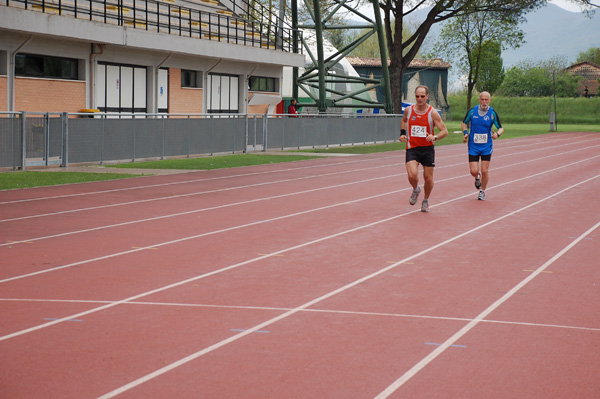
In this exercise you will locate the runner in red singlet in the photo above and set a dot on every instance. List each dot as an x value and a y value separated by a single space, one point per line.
418 132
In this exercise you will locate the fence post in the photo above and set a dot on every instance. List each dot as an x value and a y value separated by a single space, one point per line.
102 142
255 119
24 139
246 135
365 137
212 132
265 133
189 135
134 136
46 137
164 132
282 139
65 139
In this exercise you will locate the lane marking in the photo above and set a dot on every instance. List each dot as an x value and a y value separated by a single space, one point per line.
545 271
459 334
306 305
274 182
55 318
312 310
218 190
213 208
439 344
289 216
366 159
257 331
345 162
282 196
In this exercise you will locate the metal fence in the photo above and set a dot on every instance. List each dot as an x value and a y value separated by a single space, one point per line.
45 139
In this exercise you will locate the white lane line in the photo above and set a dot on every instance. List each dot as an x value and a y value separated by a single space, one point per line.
171 215
382 157
265 183
312 310
202 235
366 159
291 312
235 188
452 340
29 240
275 219
193 181
390 389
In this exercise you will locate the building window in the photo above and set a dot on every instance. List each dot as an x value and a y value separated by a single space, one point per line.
41 66
259 83
191 78
223 94
122 88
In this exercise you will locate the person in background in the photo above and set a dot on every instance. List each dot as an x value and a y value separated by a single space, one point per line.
292 111
482 118
418 132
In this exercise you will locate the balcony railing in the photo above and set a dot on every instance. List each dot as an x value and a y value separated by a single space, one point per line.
207 21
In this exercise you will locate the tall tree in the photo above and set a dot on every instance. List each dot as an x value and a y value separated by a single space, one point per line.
370 47
463 40
402 52
540 79
591 55
491 69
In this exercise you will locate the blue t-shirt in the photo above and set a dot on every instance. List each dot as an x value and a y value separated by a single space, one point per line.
480 136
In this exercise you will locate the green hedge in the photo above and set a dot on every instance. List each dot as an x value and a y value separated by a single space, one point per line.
533 110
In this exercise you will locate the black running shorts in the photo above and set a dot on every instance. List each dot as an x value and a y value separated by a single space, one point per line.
475 158
423 155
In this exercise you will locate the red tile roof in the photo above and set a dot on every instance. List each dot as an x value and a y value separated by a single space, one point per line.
415 63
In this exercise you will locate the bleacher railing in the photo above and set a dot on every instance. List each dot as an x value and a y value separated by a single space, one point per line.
210 23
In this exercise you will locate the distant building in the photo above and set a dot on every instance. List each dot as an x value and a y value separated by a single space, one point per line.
175 56
591 74
433 73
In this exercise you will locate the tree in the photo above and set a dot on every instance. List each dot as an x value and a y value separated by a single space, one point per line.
539 79
591 55
491 70
370 48
467 41
441 10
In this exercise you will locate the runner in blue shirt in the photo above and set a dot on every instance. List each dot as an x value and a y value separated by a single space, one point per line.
481 119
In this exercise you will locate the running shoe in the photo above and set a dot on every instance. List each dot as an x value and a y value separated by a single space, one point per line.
481 196
478 182
414 196
425 206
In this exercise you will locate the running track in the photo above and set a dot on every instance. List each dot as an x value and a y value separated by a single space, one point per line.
313 279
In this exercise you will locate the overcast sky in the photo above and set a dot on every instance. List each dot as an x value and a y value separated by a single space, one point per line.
566 5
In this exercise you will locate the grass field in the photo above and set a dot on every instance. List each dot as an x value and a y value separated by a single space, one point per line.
24 179
510 130
534 110
214 162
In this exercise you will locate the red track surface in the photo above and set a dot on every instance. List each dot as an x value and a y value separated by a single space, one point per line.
314 279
